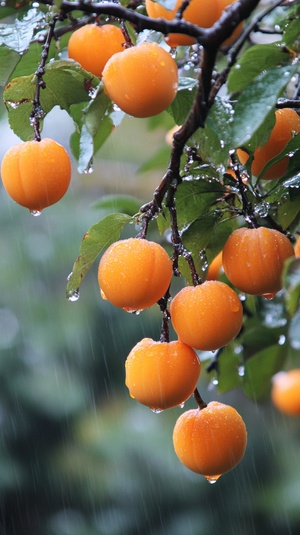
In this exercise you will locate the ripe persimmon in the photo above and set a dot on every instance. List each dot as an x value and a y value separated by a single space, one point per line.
253 259
142 80
92 46
200 12
297 247
285 392
36 174
207 316
210 441
161 375
287 124
134 273
214 268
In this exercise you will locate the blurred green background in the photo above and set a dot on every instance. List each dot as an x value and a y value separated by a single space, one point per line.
78 456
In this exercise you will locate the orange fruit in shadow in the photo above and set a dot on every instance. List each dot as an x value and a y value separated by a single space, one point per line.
253 259
92 46
285 392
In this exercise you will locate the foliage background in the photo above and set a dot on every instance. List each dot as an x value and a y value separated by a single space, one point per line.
77 455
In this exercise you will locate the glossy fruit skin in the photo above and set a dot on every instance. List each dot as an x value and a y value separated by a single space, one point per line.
207 316
161 375
92 46
253 259
221 6
200 12
210 441
214 268
287 122
285 392
134 273
36 174
142 80
297 247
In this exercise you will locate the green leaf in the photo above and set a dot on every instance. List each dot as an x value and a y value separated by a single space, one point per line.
126 204
254 61
59 75
215 139
8 60
294 331
18 35
193 199
183 101
291 34
229 363
253 116
291 281
260 369
97 238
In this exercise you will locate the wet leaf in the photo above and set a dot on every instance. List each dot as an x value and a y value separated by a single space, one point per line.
183 101
291 281
260 368
97 238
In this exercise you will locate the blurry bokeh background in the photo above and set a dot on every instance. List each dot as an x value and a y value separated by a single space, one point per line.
78 456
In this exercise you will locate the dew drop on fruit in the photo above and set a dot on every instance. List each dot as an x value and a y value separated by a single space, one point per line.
212 479
35 213
73 295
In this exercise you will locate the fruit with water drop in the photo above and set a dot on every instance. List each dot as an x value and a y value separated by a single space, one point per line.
134 273
142 80
285 392
36 174
207 316
92 46
210 441
287 124
161 375
253 259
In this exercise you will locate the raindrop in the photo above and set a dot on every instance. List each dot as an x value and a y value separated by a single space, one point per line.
135 312
242 297
241 370
269 296
212 479
156 411
173 52
35 213
92 93
222 143
181 406
281 340
89 168
213 383
262 209
73 295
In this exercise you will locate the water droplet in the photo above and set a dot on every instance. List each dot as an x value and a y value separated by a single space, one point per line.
156 411
135 312
89 168
262 209
241 370
73 295
269 296
212 479
281 340
35 213
181 406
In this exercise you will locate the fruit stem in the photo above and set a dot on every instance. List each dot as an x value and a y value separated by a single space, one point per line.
201 404
38 113
247 207
163 305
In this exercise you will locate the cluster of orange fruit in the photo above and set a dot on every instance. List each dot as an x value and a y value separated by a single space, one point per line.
134 274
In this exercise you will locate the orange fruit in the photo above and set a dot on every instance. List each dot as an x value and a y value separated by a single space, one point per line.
221 6
142 80
210 441
161 375
214 268
253 259
36 174
297 247
92 46
200 12
285 392
207 316
134 273
287 124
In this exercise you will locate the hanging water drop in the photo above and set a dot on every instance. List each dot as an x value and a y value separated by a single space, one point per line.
156 410
212 479
73 295
35 213
181 406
